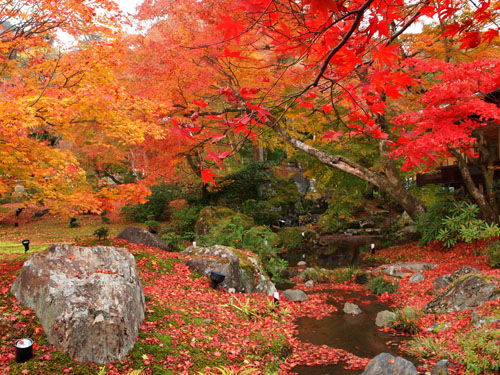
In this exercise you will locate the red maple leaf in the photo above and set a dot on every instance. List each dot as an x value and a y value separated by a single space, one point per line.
236 54
217 158
385 55
332 135
207 175
489 35
470 40
231 27
200 103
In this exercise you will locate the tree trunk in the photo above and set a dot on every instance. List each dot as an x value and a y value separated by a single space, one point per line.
388 182
487 212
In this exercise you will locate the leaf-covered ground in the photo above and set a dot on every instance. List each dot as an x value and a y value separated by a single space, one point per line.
191 328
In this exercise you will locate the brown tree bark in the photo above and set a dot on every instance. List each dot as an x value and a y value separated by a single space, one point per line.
388 181
487 211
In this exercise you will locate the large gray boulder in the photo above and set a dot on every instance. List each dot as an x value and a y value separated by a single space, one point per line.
242 269
295 295
444 281
387 364
89 300
466 292
142 237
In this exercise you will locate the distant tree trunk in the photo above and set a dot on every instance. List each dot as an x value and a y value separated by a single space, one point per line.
258 153
489 211
388 181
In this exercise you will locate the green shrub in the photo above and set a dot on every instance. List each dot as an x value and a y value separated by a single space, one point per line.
361 277
321 275
407 320
156 208
378 285
227 228
318 275
480 351
455 222
174 241
185 218
152 224
101 233
427 347
493 254
74 224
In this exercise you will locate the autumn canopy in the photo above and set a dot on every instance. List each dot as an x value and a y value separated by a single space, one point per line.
370 88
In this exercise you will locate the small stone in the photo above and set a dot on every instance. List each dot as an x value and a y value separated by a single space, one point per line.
352 308
416 278
207 321
385 318
309 283
440 368
301 264
386 364
295 295
231 290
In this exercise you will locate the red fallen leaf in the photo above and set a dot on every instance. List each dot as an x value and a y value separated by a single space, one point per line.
391 361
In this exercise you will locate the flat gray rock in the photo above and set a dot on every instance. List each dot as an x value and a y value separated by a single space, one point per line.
142 237
416 278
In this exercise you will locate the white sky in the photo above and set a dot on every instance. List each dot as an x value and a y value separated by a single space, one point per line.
128 5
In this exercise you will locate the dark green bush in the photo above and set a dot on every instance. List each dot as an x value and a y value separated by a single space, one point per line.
454 222
378 285
101 233
74 224
493 254
156 208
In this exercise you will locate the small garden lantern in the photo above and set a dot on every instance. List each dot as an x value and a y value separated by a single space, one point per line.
26 244
276 296
24 350
216 278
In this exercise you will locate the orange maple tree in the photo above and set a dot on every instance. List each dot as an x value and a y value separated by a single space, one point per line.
69 127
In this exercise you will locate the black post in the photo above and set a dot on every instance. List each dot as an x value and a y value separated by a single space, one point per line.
26 244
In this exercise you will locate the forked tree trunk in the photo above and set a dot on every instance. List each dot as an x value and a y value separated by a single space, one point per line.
488 211
389 181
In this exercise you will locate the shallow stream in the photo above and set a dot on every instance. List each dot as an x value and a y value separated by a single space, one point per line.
357 334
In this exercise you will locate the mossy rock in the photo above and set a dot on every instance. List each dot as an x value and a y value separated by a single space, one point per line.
243 269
